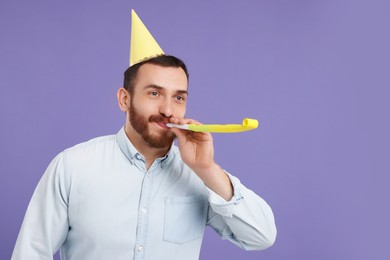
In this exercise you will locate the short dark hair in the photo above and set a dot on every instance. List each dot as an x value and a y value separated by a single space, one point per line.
162 60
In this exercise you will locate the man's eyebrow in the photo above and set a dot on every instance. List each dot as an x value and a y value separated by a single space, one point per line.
179 91
182 92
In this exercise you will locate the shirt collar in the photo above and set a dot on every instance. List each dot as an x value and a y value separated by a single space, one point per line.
132 153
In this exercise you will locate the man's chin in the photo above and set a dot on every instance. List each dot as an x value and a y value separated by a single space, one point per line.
160 145
160 142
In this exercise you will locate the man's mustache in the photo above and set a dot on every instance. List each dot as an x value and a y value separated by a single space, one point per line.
159 118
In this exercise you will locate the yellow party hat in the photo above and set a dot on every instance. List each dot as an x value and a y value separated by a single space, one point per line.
142 44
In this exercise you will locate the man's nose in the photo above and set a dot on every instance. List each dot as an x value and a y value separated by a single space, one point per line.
166 108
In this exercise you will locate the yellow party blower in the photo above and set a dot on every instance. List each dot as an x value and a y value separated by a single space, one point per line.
247 124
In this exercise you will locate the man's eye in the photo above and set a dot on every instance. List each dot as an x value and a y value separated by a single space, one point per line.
180 98
153 93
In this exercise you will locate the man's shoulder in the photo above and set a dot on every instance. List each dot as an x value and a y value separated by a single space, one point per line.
95 144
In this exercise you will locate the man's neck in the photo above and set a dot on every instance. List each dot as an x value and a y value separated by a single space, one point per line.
149 153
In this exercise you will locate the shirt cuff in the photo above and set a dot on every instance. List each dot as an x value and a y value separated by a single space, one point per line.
220 205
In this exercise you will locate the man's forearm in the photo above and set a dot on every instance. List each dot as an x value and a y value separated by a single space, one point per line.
216 179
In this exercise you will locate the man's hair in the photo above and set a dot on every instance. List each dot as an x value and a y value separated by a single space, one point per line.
161 60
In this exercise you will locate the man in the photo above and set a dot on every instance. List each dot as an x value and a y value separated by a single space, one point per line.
135 195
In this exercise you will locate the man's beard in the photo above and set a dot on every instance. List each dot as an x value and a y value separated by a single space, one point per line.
141 126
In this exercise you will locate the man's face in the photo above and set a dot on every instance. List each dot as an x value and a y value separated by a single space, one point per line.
159 94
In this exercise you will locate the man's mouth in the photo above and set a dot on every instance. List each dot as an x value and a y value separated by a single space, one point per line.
162 124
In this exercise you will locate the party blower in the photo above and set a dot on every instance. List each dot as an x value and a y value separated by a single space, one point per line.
247 124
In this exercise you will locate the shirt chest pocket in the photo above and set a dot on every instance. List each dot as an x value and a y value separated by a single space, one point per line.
184 218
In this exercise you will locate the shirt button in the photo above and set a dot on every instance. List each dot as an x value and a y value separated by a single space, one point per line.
138 156
144 210
140 248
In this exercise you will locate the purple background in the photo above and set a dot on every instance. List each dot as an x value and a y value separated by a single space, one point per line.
315 74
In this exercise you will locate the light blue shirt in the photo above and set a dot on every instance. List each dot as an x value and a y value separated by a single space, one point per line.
96 200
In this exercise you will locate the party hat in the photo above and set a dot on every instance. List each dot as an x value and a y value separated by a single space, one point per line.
142 44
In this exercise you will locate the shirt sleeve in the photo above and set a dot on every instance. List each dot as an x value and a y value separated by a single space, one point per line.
45 224
246 220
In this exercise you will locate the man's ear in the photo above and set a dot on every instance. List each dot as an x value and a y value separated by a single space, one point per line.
123 99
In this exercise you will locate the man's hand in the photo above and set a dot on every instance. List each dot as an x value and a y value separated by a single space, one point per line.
197 151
